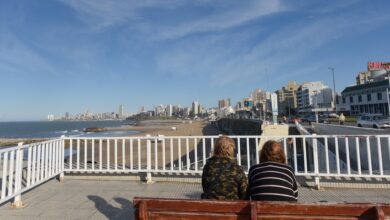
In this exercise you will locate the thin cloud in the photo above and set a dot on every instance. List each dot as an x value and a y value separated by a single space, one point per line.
100 14
278 53
223 19
18 58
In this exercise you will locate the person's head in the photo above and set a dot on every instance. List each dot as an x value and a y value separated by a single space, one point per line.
272 151
224 147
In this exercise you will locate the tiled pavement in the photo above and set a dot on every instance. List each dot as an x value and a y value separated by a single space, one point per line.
94 199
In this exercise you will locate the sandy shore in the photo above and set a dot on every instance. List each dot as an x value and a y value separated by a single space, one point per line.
121 148
182 128
154 128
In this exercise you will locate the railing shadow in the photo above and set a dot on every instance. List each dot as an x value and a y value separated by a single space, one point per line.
126 210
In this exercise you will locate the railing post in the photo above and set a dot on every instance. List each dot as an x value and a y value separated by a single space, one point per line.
62 158
315 160
17 201
148 160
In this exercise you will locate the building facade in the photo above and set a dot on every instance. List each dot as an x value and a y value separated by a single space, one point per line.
259 98
370 97
195 108
314 97
287 98
224 103
370 94
159 110
120 111
169 110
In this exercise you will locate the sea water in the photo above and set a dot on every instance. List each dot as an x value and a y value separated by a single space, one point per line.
50 129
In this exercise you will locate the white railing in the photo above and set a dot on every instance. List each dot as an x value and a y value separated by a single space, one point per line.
26 166
341 156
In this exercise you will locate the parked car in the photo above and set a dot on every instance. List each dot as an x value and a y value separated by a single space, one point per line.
333 115
373 121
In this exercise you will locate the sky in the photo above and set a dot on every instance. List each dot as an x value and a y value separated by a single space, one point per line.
60 56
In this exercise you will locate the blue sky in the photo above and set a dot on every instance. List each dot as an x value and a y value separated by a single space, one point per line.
68 56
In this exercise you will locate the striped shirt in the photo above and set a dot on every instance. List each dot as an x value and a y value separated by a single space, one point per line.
272 181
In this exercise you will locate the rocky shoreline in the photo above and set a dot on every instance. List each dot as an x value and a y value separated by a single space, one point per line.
16 141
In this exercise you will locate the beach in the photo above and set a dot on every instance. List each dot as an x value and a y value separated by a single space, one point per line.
120 149
152 127
175 128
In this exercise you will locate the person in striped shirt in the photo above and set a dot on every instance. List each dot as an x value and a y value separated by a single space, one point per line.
272 179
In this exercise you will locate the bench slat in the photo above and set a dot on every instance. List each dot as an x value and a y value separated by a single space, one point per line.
175 209
315 209
195 216
197 205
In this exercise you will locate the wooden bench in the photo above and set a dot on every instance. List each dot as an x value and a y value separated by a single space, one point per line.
175 209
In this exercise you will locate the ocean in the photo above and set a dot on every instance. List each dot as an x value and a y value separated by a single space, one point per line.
50 129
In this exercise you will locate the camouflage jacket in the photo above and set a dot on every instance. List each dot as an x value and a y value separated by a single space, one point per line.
223 179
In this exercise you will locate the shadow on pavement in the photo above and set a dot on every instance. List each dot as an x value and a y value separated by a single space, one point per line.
125 211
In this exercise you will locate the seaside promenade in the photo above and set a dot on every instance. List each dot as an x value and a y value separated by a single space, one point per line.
102 199
101 184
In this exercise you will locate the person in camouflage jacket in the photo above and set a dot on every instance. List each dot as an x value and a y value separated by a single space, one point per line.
222 177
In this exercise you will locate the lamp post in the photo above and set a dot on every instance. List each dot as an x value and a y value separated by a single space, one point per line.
387 89
334 89
315 106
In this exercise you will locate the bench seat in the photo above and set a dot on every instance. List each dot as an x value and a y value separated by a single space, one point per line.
175 209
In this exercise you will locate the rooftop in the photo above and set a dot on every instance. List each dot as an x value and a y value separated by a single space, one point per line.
382 83
100 199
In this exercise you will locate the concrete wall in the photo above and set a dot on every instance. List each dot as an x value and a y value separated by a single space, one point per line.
240 126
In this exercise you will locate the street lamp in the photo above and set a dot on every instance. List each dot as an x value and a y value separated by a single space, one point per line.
316 105
387 89
334 89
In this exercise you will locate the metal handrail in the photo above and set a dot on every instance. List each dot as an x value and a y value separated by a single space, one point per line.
25 166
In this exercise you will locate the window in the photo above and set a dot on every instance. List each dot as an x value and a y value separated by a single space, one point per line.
344 100
379 96
368 97
351 99
359 98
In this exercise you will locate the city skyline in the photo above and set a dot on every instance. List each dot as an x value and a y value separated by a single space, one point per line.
64 56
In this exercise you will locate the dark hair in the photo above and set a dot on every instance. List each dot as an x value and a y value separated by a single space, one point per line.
272 151
224 147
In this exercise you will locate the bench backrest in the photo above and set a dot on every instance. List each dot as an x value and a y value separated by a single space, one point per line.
153 208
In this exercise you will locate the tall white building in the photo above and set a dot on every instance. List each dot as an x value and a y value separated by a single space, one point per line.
314 96
169 110
50 117
159 110
195 108
120 111
186 112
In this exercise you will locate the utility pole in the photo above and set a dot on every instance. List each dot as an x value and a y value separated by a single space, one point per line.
316 105
387 89
334 89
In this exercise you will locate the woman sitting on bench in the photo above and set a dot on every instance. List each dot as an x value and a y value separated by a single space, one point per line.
222 178
272 179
